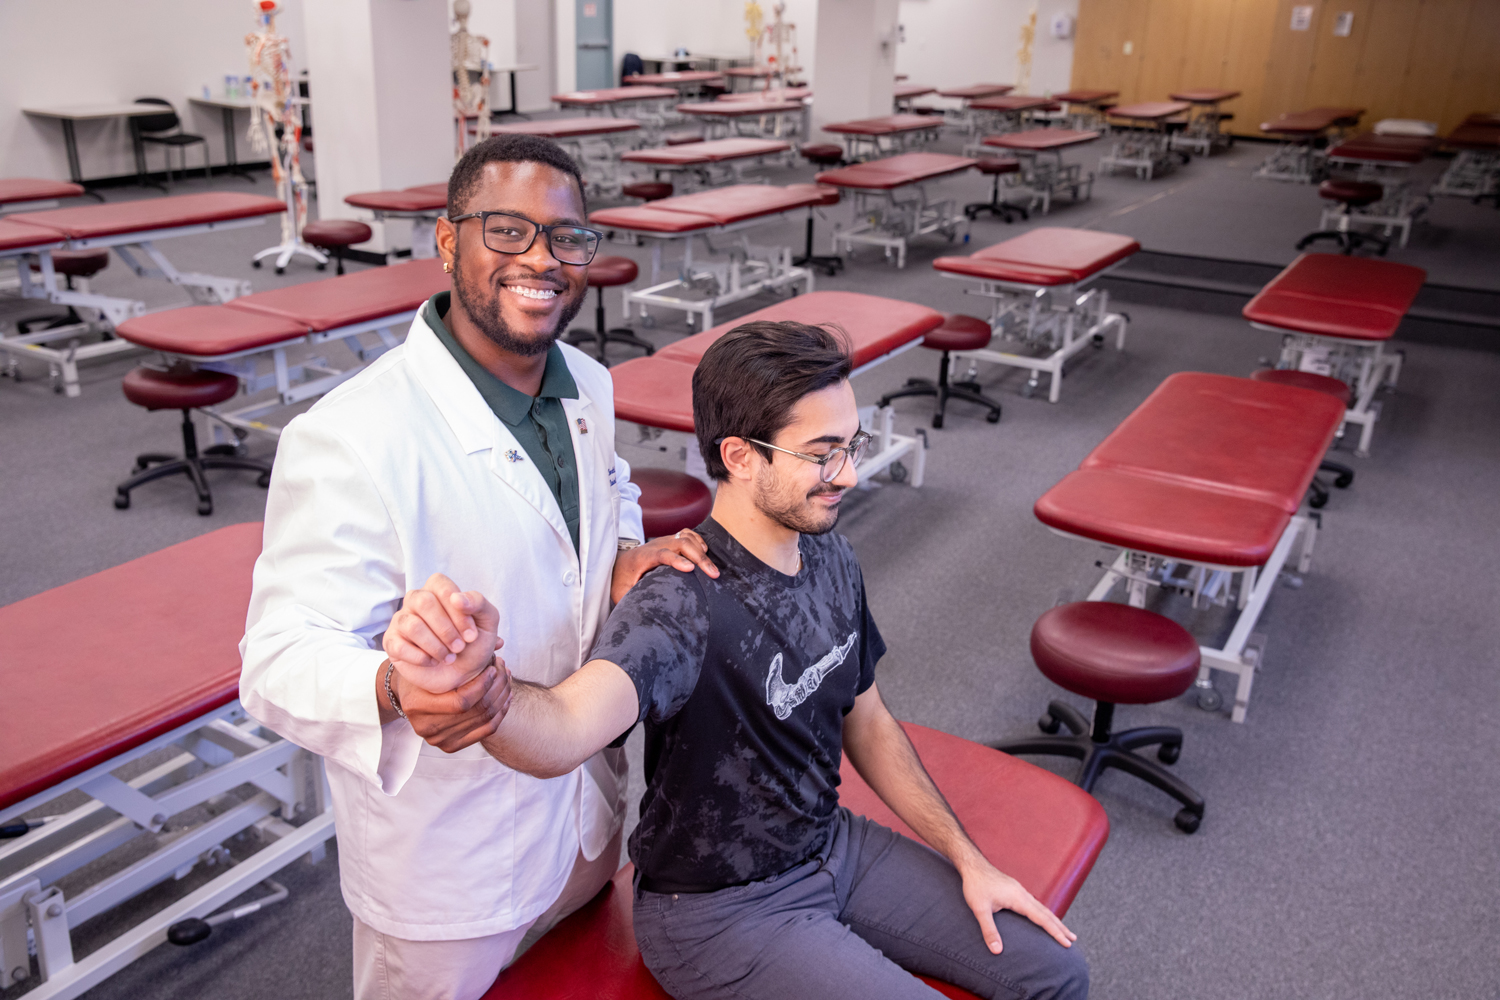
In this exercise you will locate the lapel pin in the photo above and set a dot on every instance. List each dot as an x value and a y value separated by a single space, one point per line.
583 426
513 456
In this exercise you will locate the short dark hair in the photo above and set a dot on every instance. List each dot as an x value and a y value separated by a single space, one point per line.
464 180
750 379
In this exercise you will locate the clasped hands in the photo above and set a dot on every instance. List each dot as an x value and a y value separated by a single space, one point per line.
444 642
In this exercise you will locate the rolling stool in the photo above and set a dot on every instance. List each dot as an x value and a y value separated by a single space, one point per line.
336 235
186 390
957 333
606 272
1350 195
823 154
996 167
1114 653
1343 475
829 264
80 264
671 501
647 190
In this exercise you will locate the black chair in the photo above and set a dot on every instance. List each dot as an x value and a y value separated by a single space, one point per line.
158 130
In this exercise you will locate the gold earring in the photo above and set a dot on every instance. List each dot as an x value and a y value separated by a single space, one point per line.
447 267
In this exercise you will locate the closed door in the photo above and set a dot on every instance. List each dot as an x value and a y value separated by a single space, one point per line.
596 62
535 46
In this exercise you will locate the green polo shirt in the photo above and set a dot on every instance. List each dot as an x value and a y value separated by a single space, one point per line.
540 423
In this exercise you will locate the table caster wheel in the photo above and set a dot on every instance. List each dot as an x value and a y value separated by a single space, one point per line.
1098 341
322 267
122 501
1187 821
255 264
937 421
1168 753
1210 700
205 507
1344 481
1318 501
1048 724
898 472
281 270
992 417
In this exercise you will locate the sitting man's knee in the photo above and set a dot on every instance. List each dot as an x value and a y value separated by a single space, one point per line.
1068 975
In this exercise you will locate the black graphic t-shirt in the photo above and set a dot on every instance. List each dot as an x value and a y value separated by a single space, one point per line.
744 682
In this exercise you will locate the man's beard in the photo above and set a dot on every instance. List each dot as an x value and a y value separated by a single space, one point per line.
485 314
790 509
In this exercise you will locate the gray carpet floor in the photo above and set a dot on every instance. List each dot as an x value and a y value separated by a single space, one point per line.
1350 847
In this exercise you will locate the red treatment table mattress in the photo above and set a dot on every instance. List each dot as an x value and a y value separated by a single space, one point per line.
1014 103
693 79
887 221
1035 281
568 128
1050 178
657 391
20 190
1034 826
1335 314
423 203
747 115
874 137
612 95
698 153
976 91
774 94
123 222
230 337
1040 140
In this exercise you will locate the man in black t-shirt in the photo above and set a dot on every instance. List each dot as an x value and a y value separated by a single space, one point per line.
751 880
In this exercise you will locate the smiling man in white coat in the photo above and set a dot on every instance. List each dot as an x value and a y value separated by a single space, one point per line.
481 447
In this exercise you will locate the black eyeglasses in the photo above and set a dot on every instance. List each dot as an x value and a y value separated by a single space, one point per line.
512 234
832 463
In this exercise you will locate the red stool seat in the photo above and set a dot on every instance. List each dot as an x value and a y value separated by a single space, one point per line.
77 263
647 190
959 333
682 138
822 153
671 501
826 195
1336 388
1355 194
178 389
993 165
335 232
606 272
1114 652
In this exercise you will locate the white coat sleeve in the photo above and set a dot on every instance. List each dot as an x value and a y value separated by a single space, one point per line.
630 506
326 585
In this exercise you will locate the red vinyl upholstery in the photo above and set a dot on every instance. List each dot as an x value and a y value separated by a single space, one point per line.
670 501
705 209
1373 148
335 232
1207 95
177 389
739 109
1011 102
1149 110
714 151
1312 121
208 331
882 125
959 333
779 94
20 236
18 189
1085 96
1336 388
895 171
976 90
680 76
1040 139
351 298
421 199
1114 652
606 272
1033 825
1331 295
908 91
1482 138
612 95
567 128
160 648
174 211
77 263
1048 255
651 218
1209 468
655 392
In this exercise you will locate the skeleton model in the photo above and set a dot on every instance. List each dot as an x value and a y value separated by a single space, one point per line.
1023 54
471 77
772 43
275 104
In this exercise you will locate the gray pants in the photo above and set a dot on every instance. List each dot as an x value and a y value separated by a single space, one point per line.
853 922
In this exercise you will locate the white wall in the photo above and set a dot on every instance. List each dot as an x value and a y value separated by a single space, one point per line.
859 52
951 43
60 52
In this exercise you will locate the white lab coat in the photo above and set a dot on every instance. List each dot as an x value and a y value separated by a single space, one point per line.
401 472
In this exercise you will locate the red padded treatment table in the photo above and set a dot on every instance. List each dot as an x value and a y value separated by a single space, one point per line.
882 125
1206 95
911 91
103 225
1050 179
774 94
19 190
885 134
677 79
719 207
1034 826
567 128
895 171
1395 150
131 653
612 95
1013 103
1040 140
1313 121
423 200
741 108
1345 308
1045 256
976 91
699 153
18 237
885 221
1148 111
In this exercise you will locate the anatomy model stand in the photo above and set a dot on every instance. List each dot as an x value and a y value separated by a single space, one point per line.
471 78
774 39
274 105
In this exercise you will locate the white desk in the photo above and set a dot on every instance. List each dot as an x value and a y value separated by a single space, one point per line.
512 71
68 114
227 107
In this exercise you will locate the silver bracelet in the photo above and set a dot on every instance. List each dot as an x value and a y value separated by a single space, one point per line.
626 544
390 692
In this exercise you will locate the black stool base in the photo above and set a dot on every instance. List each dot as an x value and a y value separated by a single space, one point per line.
1348 240
1005 211
1318 490
944 390
155 465
1102 749
829 265
601 337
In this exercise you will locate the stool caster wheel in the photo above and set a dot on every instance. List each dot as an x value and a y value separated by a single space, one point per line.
992 417
263 480
205 507
937 421
1187 821
122 501
1168 753
1209 700
1344 481
1048 724
898 472
1098 341
1318 501
255 264
281 270
322 267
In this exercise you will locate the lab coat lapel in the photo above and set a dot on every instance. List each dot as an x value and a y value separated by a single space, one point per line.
475 425
582 413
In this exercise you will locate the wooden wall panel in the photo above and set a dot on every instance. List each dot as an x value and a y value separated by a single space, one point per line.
1437 60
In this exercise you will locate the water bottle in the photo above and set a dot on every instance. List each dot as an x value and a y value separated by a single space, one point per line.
231 86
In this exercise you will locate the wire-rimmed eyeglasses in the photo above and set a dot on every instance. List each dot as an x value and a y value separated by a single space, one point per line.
831 463
512 234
